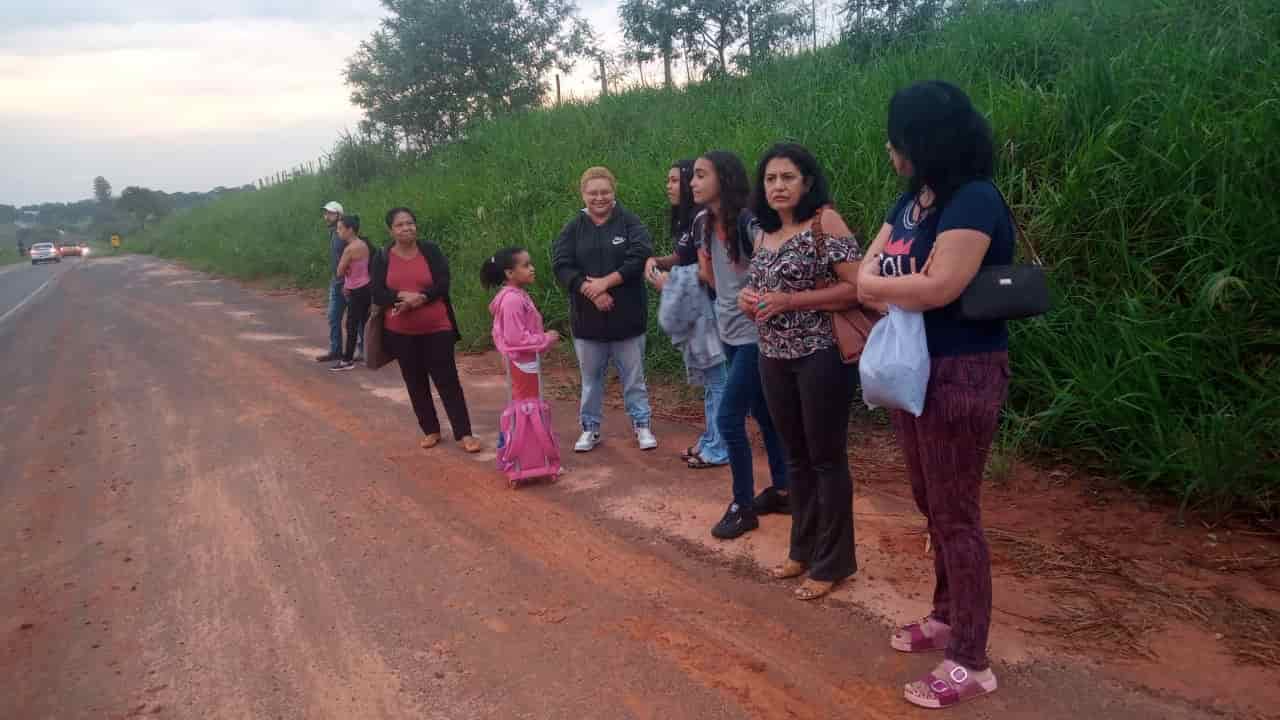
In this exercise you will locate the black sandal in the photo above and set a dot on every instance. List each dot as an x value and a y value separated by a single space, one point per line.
697 463
689 452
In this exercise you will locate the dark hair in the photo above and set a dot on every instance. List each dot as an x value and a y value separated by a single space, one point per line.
493 272
818 194
393 212
735 193
352 222
949 143
684 210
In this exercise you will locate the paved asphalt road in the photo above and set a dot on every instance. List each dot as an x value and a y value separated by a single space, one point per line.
23 284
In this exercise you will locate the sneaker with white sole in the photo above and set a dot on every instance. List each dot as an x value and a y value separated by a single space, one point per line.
342 366
645 438
587 441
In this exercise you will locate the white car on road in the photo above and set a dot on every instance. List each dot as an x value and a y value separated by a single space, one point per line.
44 252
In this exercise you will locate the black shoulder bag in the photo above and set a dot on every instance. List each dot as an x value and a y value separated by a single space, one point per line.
1008 292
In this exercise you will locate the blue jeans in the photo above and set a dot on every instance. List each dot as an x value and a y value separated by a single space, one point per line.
711 446
744 395
593 360
337 308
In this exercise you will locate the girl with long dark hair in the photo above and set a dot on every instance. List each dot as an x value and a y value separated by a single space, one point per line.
725 233
950 222
709 451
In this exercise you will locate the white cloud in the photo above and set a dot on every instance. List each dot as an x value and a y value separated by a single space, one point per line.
25 16
183 95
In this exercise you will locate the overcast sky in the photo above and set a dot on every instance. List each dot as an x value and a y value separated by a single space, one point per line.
178 95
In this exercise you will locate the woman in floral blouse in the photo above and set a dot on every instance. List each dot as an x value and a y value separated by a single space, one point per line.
806 384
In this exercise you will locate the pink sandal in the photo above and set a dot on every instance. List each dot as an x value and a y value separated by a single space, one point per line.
949 684
912 638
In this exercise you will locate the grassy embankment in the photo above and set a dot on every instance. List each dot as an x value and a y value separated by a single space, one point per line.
1139 142
9 244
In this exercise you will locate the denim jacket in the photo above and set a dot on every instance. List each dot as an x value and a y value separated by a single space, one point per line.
688 316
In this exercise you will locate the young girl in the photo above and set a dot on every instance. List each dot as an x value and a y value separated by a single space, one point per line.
725 233
527 446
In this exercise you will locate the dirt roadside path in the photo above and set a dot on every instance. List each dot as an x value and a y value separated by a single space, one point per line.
196 521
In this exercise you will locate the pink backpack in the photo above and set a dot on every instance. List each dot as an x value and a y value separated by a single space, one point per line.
527 446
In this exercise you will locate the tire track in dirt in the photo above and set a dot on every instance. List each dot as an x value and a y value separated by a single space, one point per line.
709 624
709 636
235 566
285 578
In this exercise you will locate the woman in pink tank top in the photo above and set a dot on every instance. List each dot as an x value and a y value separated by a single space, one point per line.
353 269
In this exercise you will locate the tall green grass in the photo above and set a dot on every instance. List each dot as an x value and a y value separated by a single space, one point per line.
1139 144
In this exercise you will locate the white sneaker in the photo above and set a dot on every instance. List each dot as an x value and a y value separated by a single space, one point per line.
644 436
587 441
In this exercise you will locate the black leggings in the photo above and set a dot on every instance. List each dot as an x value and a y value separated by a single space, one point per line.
426 359
357 315
809 401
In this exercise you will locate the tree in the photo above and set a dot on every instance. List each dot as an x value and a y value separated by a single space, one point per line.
434 66
654 26
774 26
143 203
717 25
8 214
882 19
102 190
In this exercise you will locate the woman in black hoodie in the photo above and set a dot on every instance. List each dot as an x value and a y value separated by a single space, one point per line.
600 257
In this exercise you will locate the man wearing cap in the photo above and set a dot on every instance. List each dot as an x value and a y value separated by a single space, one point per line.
337 301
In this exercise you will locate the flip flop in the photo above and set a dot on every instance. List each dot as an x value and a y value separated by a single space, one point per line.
689 452
696 462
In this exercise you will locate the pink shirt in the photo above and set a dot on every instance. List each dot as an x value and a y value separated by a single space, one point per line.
357 274
517 325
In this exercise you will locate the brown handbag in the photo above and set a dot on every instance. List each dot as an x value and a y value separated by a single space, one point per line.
852 325
375 354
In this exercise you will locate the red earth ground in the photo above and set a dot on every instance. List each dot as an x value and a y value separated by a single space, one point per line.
198 521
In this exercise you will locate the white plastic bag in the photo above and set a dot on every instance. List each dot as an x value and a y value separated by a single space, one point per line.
895 364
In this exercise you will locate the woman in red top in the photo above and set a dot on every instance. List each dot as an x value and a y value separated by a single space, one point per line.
411 279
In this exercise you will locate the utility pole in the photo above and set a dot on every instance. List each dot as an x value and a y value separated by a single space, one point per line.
557 89
813 17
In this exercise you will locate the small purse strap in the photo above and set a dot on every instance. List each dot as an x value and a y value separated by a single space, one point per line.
1017 229
1020 234
819 235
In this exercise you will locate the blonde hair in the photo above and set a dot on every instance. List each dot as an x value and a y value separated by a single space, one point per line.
596 173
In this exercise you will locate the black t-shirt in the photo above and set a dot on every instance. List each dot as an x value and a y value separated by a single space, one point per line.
979 206
686 249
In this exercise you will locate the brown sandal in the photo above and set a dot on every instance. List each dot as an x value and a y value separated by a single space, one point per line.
471 444
789 569
813 589
430 441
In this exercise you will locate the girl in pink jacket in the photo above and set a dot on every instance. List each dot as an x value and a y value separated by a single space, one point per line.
527 445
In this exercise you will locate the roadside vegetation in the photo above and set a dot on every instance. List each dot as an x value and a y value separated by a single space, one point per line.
1139 143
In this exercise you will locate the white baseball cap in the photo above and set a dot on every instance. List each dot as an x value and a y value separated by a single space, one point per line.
332 206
